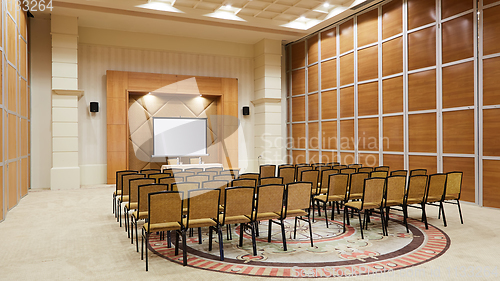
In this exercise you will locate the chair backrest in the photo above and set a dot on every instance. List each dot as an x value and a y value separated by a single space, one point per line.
355 166
267 171
339 167
164 207
373 193
287 173
195 160
134 188
203 204
454 184
158 176
173 161
382 168
436 187
244 182
194 170
119 183
126 182
417 185
220 184
348 171
223 178
399 173
210 174
271 180
174 171
325 176
150 171
169 181
357 182
214 169
396 188
418 172
168 173
316 165
379 174
365 170
311 176
331 164
300 169
298 196
185 186
254 176
197 178
285 165
238 201
337 185
183 175
232 173
144 190
270 198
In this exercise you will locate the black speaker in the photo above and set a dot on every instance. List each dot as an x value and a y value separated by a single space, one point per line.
94 106
246 110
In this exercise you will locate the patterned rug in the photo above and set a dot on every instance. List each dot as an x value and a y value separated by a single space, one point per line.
334 253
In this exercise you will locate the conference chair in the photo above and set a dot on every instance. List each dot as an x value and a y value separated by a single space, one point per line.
348 171
185 186
355 166
356 184
315 166
373 195
133 199
299 170
244 182
118 186
379 174
238 207
143 206
169 181
418 172
267 171
194 170
164 214
435 194
298 198
324 177
399 173
197 178
168 173
395 189
287 173
173 161
183 175
271 180
285 165
220 184
232 172
125 192
214 169
311 176
339 167
196 160
158 176
210 174
415 193
254 176
150 171
331 164
174 171
382 168
365 170
227 178
337 192
453 191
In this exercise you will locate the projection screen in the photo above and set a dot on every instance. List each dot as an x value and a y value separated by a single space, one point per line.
179 137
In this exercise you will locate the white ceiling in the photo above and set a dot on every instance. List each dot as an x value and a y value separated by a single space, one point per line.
250 20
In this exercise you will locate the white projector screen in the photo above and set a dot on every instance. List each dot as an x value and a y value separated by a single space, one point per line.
179 137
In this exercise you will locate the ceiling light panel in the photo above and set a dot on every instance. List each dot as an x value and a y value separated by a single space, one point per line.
277 8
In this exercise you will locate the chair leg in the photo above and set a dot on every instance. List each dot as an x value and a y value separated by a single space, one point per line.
227 232
310 230
439 212
319 209
460 211
136 236
295 229
242 225
184 252
382 219
444 216
119 218
209 238
114 204
254 245
326 216
360 224
256 229
125 213
142 245
199 235
176 242
147 240
221 244
169 239
269 231
424 216
338 208
387 210
333 210
283 236
313 208
131 230
345 212
405 216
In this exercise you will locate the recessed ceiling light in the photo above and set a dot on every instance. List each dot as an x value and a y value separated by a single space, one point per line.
326 5
228 6
165 6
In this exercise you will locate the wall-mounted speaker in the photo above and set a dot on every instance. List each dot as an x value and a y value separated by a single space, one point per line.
94 106
246 110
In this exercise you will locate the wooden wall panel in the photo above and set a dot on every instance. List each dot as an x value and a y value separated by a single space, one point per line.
23 98
467 166
329 105
393 133
313 142
347 135
299 135
491 178
346 31
367 25
299 109
11 38
368 159
143 81
298 82
395 162
422 90
368 63
13 187
329 156
347 102
312 49
329 135
458 132
368 134
23 58
458 85
24 177
298 55
23 137
458 38
487 2
392 56
453 7
2 138
368 99
312 78
491 25
347 158
422 132
491 88
12 137
392 92
347 69
12 91
313 157
299 156
392 19
421 12
424 162
422 48
329 74
313 108
491 132
328 43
